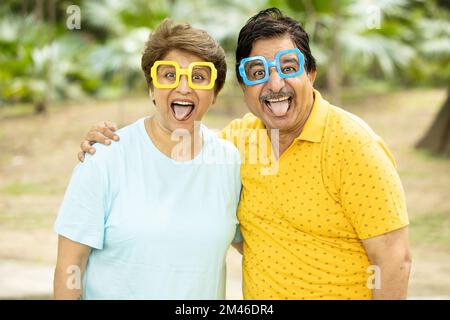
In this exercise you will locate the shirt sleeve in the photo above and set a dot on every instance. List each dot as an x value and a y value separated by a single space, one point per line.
231 131
371 192
81 217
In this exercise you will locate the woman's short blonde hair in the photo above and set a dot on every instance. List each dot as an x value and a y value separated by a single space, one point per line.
182 36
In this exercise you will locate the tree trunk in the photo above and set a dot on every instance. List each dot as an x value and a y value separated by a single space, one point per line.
40 107
437 138
334 76
38 10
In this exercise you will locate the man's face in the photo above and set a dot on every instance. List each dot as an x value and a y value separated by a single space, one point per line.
282 104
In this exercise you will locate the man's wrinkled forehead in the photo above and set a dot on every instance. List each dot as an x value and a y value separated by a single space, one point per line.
268 47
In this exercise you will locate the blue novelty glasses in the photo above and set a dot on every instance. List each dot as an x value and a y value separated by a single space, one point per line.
255 70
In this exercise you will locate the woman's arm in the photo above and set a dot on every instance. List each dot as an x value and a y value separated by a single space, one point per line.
238 246
70 265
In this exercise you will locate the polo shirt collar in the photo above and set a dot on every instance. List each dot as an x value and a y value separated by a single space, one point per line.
315 125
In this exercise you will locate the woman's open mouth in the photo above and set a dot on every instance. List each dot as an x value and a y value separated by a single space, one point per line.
279 106
182 109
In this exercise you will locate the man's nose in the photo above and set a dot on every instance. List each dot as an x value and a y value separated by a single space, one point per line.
275 82
183 85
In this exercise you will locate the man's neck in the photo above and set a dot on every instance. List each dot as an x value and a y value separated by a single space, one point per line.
286 138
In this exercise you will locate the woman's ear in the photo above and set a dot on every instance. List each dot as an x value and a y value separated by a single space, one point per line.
150 94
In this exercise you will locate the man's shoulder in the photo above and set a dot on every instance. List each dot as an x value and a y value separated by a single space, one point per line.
348 134
248 121
225 147
347 127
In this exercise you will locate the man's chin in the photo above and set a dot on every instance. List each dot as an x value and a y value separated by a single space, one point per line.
276 121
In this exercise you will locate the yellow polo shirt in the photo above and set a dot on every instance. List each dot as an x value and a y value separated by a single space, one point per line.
304 215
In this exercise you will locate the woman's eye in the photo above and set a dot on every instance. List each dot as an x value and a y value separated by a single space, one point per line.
170 75
197 77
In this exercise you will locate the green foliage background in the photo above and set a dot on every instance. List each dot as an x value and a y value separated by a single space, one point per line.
42 61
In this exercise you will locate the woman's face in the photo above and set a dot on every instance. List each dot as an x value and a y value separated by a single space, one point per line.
180 107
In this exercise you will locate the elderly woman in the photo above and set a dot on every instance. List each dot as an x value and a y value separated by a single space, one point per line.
152 216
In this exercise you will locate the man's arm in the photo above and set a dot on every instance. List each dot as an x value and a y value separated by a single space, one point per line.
102 132
391 253
70 266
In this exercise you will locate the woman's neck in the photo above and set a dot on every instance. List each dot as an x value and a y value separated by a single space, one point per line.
179 145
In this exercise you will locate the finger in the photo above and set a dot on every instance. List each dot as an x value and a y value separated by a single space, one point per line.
111 125
81 156
86 147
96 136
106 127
109 133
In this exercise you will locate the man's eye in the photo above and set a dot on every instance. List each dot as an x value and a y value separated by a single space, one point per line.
259 74
170 75
289 70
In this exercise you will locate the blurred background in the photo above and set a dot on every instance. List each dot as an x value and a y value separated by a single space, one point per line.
65 65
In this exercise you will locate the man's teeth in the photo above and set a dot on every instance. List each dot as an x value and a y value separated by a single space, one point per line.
277 100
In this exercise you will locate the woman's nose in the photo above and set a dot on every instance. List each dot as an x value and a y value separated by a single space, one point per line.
183 86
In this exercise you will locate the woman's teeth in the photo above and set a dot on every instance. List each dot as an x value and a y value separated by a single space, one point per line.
182 109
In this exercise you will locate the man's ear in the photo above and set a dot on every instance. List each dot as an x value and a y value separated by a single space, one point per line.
243 86
312 76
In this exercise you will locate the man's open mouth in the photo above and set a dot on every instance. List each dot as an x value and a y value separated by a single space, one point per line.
279 106
182 109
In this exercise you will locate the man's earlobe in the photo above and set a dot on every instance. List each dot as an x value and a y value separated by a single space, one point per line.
312 76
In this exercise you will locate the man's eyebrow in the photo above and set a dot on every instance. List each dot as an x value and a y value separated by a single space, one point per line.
288 59
254 63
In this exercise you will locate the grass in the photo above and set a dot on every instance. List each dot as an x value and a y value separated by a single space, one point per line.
27 221
429 156
19 188
431 228
16 110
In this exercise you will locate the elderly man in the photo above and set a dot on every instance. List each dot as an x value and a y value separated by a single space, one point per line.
330 221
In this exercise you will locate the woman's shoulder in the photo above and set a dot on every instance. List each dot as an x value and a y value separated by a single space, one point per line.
111 153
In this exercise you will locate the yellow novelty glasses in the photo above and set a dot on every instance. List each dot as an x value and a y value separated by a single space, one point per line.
200 75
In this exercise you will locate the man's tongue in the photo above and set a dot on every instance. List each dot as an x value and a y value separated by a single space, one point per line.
182 112
279 108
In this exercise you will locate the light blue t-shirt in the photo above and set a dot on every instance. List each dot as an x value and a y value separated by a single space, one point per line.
159 229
